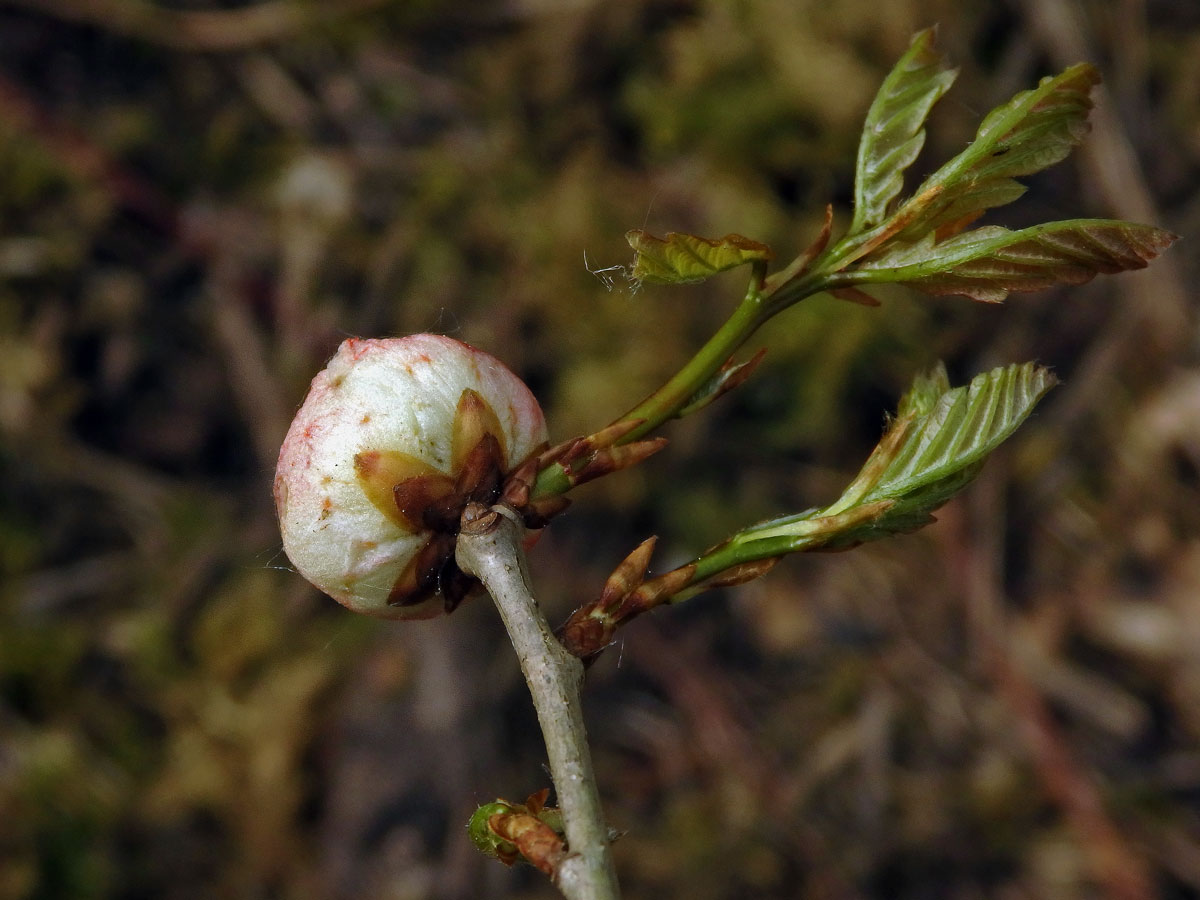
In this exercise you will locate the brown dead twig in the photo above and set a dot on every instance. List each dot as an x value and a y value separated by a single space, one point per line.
199 30
82 158
1155 305
975 548
754 782
260 394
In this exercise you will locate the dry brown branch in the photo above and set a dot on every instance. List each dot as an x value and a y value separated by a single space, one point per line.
202 30
82 157
1155 302
1120 873
257 387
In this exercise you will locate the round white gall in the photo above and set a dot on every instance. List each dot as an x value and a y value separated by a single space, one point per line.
398 397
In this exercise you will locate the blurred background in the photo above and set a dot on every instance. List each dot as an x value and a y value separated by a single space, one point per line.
200 199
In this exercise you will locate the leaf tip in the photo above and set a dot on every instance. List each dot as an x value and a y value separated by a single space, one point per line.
925 40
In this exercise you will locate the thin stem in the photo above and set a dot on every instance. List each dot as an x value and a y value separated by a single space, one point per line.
756 307
672 396
489 548
683 385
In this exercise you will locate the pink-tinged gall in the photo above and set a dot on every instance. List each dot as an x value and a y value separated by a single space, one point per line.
394 434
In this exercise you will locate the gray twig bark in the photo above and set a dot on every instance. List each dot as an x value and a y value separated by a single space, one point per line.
489 548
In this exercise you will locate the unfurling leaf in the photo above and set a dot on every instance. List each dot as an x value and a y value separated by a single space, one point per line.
937 444
894 131
1032 131
987 263
685 258
931 450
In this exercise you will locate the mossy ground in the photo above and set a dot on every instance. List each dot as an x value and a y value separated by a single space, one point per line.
1006 704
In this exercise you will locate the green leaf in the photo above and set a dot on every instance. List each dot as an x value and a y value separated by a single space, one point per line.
987 263
894 132
932 449
937 443
935 446
685 258
1032 131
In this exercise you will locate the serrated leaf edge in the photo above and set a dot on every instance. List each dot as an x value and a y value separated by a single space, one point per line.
908 92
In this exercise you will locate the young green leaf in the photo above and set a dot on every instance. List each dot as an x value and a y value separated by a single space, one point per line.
895 128
1032 131
987 263
931 450
938 442
685 258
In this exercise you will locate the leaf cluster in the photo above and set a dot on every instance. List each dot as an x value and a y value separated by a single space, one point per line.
922 241
941 435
